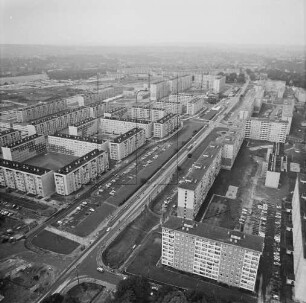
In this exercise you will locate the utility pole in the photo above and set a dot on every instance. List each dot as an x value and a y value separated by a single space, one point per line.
97 83
201 81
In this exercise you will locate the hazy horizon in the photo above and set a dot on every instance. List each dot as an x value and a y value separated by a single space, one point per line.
139 22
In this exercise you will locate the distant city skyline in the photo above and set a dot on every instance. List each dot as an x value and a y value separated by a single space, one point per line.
136 22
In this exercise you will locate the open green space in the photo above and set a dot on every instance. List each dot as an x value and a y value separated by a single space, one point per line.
85 292
120 249
146 264
52 242
52 161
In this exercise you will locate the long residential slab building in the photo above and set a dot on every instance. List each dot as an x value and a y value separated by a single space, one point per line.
217 253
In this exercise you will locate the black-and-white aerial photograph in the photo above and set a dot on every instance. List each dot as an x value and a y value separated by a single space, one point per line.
153 151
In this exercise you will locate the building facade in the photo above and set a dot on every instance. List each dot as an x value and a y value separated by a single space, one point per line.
169 107
40 110
81 171
27 178
194 106
9 136
166 125
25 148
121 126
88 127
126 144
74 145
159 90
227 256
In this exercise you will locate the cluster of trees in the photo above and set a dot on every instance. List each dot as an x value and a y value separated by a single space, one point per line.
72 74
58 298
251 74
291 78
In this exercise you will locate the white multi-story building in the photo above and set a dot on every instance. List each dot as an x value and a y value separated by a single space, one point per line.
267 130
81 171
194 106
166 125
103 94
146 113
159 90
40 110
299 237
211 82
121 126
25 148
74 145
180 84
27 178
97 109
300 94
193 189
227 256
116 112
9 136
54 123
85 128
127 143
169 107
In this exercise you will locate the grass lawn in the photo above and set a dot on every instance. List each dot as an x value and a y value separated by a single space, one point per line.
121 248
85 292
58 244
52 161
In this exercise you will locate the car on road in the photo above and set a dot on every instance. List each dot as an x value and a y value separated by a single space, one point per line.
91 209
100 269
108 229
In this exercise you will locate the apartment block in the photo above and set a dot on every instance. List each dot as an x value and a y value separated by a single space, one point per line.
121 126
146 113
300 94
193 189
81 171
210 82
74 145
25 148
127 143
116 112
299 237
40 110
97 109
194 106
267 130
85 128
103 94
159 90
27 178
227 256
9 136
54 123
166 125
180 84
169 107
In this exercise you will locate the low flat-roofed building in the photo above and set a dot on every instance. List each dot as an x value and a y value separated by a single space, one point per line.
74 145
193 189
9 136
25 148
121 126
27 178
210 251
166 125
85 128
125 144
299 237
81 171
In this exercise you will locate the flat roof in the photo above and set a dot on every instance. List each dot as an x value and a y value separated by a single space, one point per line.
24 167
8 131
56 115
127 120
24 140
215 233
79 162
196 99
84 121
127 135
78 138
302 191
166 118
115 109
199 168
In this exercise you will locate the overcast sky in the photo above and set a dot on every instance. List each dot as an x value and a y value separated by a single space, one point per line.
130 22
